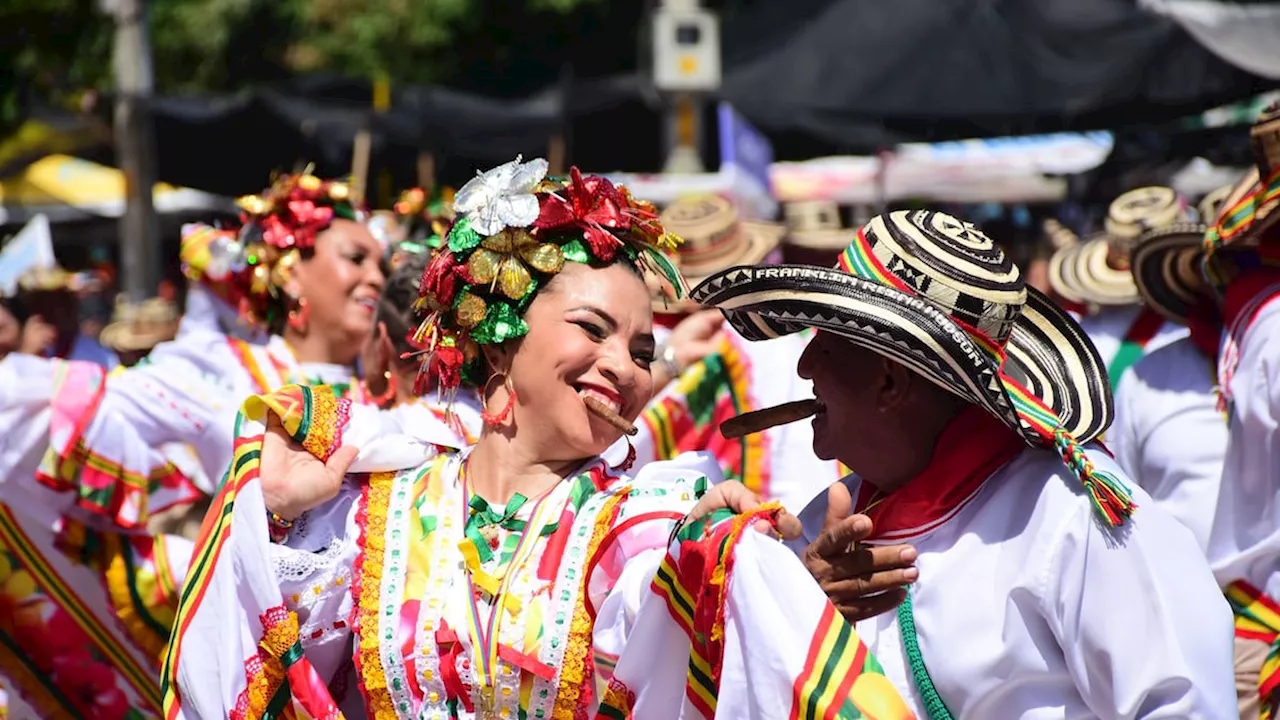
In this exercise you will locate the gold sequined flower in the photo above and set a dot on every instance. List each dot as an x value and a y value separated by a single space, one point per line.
503 260
470 311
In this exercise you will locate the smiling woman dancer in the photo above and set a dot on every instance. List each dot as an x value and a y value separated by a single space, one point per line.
507 581
85 554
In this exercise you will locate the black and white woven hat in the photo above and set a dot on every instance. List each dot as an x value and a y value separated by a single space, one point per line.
1244 229
935 294
1097 271
1167 262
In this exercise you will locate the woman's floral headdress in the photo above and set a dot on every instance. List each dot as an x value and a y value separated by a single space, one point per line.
249 268
515 229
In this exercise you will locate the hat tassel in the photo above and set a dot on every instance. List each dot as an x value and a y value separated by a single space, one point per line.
1111 498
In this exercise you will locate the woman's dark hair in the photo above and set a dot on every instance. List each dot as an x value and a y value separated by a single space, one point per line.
395 307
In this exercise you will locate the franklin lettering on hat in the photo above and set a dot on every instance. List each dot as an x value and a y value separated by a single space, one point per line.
936 295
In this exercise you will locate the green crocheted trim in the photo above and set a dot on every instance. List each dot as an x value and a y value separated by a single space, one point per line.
933 705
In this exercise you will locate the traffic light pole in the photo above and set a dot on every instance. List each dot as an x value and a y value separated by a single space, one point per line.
686 69
684 134
140 247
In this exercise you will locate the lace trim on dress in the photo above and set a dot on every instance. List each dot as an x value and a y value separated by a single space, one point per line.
293 565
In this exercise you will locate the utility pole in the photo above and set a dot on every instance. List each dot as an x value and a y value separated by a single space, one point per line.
140 247
686 55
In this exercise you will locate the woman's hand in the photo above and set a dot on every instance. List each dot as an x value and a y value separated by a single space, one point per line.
293 480
862 581
735 496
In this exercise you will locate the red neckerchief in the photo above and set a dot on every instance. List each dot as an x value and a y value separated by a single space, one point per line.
1206 328
1243 289
1245 297
971 449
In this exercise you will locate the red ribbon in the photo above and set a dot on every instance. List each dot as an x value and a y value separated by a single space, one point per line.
449 649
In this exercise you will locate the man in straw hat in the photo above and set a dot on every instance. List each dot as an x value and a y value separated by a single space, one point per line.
1095 276
964 401
1169 434
730 375
1243 266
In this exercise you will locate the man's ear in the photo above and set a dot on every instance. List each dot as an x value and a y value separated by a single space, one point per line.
894 386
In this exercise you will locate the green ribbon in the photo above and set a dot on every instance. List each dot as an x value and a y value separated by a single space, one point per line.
483 515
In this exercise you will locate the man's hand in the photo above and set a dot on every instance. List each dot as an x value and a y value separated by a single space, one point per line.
862 581
694 338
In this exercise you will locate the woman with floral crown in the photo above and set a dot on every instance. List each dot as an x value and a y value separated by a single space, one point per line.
343 576
94 491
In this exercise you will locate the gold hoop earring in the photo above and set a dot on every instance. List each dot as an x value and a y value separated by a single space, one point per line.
491 419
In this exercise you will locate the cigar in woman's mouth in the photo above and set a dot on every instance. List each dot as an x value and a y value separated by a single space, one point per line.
607 414
759 420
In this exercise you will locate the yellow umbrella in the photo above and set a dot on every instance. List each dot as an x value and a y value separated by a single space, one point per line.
68 188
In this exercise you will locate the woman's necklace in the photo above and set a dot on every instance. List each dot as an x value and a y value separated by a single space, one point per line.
481 525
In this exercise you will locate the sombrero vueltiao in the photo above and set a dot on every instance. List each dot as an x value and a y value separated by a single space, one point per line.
1167 262
933 293
1062 279
815 225
1096 271
140 327
1250 209
715 237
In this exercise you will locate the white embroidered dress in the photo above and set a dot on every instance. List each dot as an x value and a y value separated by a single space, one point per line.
85 459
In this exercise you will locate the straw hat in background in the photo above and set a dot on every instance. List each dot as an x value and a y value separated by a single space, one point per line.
1096 271
139 327
715 238
816 225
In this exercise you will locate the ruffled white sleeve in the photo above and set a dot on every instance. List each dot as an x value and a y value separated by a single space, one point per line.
1178 617
731 625
101 439
659 497
254 613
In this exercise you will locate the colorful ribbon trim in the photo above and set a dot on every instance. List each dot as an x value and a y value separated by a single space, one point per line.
1258 618
477 514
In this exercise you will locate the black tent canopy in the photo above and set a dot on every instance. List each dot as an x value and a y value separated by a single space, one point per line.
818 76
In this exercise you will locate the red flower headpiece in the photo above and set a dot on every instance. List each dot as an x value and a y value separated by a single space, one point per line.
296 208
515 230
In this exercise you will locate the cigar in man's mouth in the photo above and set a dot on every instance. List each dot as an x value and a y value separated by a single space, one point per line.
760 420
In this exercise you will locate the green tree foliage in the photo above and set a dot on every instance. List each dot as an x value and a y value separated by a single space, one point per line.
56 49
46 45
